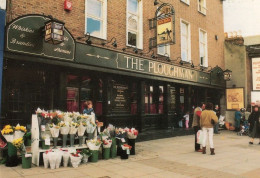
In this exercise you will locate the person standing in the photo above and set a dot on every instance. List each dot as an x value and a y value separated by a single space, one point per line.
238 116
90 111
216 110
254 129
207 119
196 124
187 119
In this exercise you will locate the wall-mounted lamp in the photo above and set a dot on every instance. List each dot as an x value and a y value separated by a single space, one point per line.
114 44
216 37
153 56
135 50
155 3
88 41
227 74
192 64
54 31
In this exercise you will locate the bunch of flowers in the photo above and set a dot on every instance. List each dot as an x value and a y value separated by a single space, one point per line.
20 128
75 159
120 133
7 130
19 131
94 144
126 146
131 133
91 126
82 128
107 143
85 152
54 130
64 128
19 144
73 127
111 130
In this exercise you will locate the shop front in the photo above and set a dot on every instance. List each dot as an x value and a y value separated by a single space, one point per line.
126 89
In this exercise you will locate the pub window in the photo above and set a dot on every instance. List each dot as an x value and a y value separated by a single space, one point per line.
203 48
164 50
99 102
72 97
133 99
150 100
185 41
161 99
202 6
134 30
15 100
96 18
85 91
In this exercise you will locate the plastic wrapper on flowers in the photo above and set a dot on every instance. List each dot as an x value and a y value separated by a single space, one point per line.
93 144
66 157
75 159
67 117
55 130
52 156
107 143
131 133
45 160
64 128
19 131
58 159
73 128
111 130
82 128
91 126
8 132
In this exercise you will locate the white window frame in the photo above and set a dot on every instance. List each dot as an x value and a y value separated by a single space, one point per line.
166 50
203 7
188 40
206 48
103 19
186 2
139 35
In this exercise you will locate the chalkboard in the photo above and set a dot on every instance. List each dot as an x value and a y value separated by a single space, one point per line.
120 98
173 98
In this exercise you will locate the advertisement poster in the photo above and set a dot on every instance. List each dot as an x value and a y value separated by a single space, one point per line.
256 73
255 98
235 98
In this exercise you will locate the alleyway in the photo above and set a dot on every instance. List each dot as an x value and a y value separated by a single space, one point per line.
171 157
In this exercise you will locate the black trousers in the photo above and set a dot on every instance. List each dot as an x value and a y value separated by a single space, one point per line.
197 146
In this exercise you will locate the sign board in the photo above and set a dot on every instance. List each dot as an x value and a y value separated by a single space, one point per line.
3 4
255 98
120 100
164 30
256 73
235 98
26 35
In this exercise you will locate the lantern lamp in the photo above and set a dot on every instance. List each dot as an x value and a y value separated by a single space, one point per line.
54 31
227 74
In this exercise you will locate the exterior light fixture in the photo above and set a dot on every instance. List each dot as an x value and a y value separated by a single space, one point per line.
181 62
209 70
114 44
155 2
54 31
135 50
153 56
192 64
227 74
88 41
167 57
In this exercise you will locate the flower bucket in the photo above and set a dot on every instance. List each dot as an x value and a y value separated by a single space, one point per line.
12 151
45 147
55 141
124 154
80 140
94 156
106 153
26 162
64 140
28 142
72 139
119 148
131 142
90 136
75 161
66 157
113 150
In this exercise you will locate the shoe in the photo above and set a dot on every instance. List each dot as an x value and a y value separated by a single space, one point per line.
203 150
251 143
212 151
200 150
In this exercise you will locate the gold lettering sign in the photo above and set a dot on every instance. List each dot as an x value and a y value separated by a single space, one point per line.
164 31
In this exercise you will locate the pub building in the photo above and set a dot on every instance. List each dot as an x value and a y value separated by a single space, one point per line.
45 66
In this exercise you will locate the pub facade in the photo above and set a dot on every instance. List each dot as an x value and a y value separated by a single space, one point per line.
133 82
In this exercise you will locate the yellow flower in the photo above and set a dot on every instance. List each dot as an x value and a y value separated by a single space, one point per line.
18 127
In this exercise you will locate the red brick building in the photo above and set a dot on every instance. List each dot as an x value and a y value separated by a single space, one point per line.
133 83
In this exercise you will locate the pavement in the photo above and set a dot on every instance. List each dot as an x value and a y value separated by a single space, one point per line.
170 157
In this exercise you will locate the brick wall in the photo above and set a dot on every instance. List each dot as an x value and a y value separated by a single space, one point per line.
212 23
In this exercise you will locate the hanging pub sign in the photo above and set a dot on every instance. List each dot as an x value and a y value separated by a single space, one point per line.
164 31
54 32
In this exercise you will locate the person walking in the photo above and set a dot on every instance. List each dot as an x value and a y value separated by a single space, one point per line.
207 120
196 124
216 126
254 129
238 116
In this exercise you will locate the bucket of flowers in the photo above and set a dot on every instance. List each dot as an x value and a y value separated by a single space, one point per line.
55 130
94 146
106 148
75 159
64 130
81 130
131 135
26 157
73 130
125 151
86 153
120 139
91 126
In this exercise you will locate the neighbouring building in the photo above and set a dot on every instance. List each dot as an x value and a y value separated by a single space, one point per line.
111 55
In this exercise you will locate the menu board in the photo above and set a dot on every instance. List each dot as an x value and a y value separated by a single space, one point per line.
173 98
120 97
256 73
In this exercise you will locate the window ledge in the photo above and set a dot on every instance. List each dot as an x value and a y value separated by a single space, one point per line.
97 37
134 47
188 4
202 13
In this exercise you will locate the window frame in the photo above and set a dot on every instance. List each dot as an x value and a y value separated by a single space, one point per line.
206 48
103 19
139 31
187 2
203 7
188 41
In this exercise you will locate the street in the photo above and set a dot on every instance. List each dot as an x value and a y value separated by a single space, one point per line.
170 157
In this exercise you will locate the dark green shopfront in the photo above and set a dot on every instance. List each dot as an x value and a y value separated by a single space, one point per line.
126 89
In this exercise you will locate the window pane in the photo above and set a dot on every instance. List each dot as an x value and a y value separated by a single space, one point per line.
184 28
133 6
94 27
184 55
132 22
131 39
94 8
161 49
